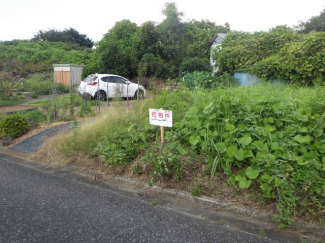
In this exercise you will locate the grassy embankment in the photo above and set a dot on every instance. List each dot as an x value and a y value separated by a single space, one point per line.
263 144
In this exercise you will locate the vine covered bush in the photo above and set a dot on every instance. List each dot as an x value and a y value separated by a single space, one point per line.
300 61
240 50
280 53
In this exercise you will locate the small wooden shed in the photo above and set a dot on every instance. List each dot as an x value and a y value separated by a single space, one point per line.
68 74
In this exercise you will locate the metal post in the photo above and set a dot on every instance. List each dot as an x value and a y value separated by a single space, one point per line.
98 95
107 95
127 95
138 90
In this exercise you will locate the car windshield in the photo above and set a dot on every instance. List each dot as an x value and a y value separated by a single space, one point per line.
90 79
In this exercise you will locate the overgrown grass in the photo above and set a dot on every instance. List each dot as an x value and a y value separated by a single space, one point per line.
62 108
11 101
266 139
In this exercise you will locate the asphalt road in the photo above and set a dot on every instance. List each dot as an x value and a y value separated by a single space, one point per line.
39 204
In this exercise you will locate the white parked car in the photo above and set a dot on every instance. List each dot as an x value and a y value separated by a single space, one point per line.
103 86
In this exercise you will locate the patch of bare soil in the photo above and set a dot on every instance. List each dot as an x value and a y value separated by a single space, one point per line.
9 109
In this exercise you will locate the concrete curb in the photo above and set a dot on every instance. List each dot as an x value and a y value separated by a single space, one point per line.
204 201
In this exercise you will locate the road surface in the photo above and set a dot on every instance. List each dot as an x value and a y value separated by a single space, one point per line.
39 204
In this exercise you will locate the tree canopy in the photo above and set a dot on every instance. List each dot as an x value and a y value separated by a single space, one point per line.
161 50
316 23
66 36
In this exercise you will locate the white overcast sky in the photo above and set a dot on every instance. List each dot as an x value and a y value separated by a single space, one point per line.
21 19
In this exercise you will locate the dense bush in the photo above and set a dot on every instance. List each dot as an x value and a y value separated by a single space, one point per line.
13 125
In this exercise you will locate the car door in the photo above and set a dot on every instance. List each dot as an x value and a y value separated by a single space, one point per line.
121 88
108 85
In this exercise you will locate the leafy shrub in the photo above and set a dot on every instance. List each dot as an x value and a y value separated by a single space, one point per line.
13 125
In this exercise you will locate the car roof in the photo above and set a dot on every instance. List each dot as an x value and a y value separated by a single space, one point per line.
104 74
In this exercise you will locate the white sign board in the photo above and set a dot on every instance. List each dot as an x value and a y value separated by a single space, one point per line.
161 118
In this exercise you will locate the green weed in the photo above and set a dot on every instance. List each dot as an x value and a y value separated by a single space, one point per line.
197 191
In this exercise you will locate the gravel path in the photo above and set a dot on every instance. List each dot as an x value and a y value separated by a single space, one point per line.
32 144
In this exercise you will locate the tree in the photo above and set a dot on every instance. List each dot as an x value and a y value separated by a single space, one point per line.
316 23
148 38
171 36
116 52
67 36
11 73
199 35
160 50
150 65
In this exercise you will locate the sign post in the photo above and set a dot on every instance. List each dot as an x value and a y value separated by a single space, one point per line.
162 118
162 135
